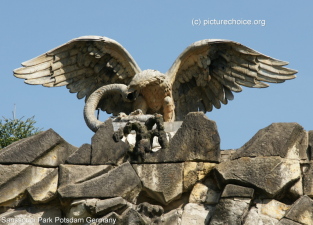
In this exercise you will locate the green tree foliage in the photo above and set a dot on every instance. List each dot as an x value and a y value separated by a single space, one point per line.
12 130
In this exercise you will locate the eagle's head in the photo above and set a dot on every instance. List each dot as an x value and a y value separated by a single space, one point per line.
143 79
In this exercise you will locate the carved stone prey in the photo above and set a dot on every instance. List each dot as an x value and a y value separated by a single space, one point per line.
203 76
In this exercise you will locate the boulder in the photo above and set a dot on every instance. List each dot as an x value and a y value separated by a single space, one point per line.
46 189
44 149
301 211
162 182
121 181
196 140
196 214
270 175
81 157
287 140
104 149
15 179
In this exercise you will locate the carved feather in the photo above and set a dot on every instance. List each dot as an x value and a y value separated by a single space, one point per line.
220 67
81 64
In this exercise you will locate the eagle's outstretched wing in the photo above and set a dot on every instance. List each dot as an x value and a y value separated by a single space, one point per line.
83 64
208 71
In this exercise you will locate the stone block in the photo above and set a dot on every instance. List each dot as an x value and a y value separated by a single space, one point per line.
121 181
268 174
44 149
301 211
195 172
285 221
308 180
232 190
196 214
198 194
72 174
254 217
196 140
287 140
273 208
46 189
104 149
230 211
15 179
106 206
81 157
173 217
162 182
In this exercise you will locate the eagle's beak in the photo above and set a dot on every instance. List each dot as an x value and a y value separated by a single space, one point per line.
132 94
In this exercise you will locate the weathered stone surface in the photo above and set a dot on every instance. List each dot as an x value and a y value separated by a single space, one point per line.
46 189
269 174
162 182
196 214
121 181
230 211
196 140
301 211
285 221
287 140
214 193
195 172
308 181
232 190
104 149
15 179
82 156
72 174
296 191
198 193
105 206
273 208
78 211
173 217
32 216
44 149
254 217
131 216
227 154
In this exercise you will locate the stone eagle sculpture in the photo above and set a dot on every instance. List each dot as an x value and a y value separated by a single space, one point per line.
100 70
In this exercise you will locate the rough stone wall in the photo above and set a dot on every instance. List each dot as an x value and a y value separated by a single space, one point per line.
269 180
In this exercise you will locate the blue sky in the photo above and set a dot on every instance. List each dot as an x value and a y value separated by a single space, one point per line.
155 33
